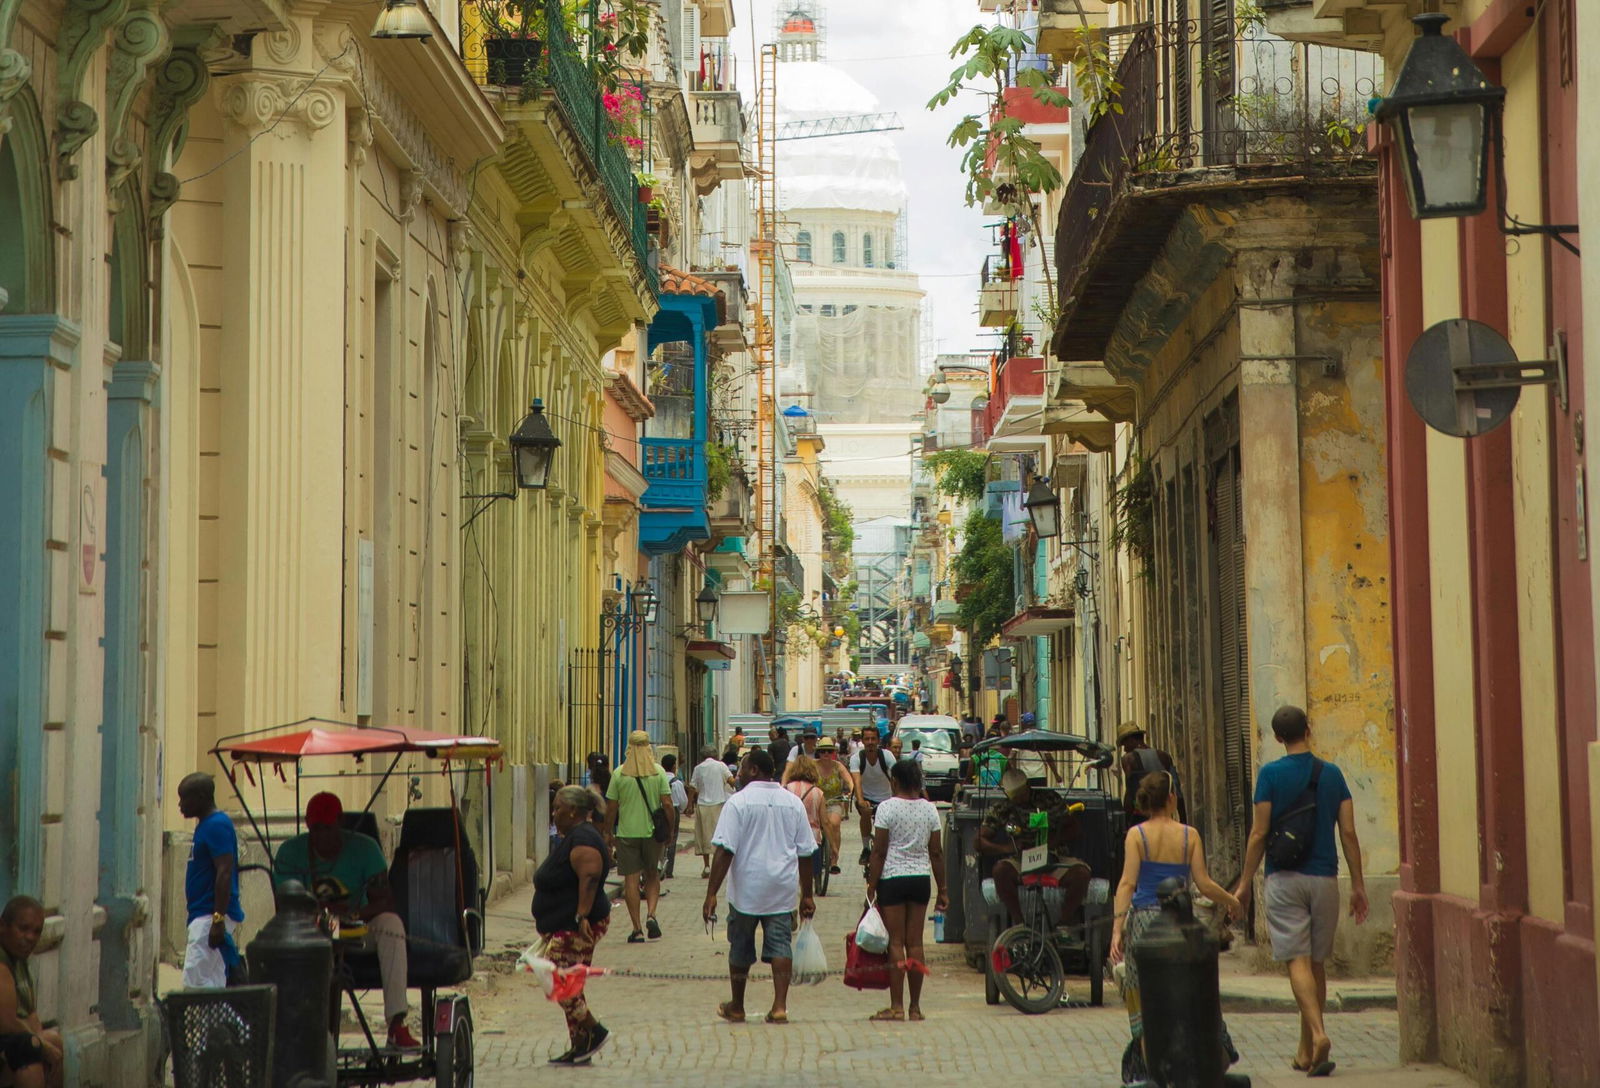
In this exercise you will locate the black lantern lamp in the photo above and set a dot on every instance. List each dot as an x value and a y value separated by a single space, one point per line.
644 602
1442 113
533 449
1044 508
705 605
402 19
1446 118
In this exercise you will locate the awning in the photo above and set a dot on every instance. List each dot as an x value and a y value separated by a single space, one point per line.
1038 620
711 650
328 738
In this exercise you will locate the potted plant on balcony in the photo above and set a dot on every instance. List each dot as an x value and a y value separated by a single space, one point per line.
647 186
513 40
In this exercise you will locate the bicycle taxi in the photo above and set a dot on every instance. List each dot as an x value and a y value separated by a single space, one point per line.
1026 964
433 876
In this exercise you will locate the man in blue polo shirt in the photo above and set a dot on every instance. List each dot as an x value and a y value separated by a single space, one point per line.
1302 902
211 886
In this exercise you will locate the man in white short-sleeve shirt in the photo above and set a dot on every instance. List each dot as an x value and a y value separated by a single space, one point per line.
870 765
764 842
710 785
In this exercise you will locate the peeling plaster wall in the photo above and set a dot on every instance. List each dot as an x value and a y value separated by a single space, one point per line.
1288 280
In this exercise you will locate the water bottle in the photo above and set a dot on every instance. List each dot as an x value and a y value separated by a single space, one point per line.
938 928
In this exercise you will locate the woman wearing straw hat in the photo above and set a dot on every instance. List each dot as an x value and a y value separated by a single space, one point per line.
638 790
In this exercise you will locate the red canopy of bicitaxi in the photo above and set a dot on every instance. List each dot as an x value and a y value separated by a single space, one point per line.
334 739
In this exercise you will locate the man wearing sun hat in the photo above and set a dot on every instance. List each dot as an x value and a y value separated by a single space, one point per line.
1138 760
346 871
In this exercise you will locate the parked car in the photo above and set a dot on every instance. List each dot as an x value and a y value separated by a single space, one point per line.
940 735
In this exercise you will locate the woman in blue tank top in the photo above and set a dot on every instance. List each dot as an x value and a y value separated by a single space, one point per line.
1157 849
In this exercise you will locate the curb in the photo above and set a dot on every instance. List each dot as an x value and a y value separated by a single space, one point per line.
1356 1001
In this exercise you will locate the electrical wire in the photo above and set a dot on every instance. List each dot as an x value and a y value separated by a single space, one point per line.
276 121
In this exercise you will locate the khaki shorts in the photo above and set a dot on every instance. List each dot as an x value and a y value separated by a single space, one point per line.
637 856
1302 915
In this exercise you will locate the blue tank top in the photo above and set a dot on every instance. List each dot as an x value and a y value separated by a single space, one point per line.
1152 873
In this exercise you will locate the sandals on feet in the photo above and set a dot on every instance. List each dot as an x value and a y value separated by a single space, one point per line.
729 1013
636 937
777 1018
888 1014
915 1015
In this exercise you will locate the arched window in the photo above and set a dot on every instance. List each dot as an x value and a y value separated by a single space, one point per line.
838 247
802 249
866 250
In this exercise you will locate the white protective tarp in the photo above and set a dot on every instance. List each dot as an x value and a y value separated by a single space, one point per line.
859 172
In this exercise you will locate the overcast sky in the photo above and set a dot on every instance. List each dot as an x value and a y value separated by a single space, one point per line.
899 50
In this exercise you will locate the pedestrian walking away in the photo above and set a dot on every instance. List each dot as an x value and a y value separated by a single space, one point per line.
779 747
1160 848
709 787
680 803
33 1056
800 778
210 887
571 911
348 874
1137 760
764 844
1299 802
599 782
907 861
638 791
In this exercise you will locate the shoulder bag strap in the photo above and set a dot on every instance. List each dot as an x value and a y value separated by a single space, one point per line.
643 793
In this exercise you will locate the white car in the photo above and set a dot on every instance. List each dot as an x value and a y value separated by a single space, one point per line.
940 735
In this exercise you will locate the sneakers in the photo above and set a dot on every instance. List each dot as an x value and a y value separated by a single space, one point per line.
652 928
590 1045
565 1057
400 1036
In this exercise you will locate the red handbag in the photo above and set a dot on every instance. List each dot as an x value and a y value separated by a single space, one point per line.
864 970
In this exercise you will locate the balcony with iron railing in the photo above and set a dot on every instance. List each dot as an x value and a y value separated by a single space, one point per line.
1205 109
552 69
716 117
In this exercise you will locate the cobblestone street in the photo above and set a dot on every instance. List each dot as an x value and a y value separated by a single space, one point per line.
665 1032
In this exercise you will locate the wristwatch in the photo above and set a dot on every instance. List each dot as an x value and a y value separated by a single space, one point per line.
217 918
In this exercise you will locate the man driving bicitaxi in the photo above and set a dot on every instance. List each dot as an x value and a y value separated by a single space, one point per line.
1018 822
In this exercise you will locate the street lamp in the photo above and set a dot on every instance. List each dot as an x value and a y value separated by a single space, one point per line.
402 19
533 449
1044 508
643 598
941 389
1442 113
705 605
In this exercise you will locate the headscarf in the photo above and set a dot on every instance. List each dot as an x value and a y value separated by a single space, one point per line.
641 761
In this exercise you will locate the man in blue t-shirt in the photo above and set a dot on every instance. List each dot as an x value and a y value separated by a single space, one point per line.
210 886
1302 904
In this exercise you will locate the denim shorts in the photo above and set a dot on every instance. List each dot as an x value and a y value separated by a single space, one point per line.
777 932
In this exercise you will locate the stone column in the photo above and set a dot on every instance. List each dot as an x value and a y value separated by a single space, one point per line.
1269 454
281 367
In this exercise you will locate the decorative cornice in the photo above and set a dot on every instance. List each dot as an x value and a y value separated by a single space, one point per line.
255 101
83 30
343 53
140 40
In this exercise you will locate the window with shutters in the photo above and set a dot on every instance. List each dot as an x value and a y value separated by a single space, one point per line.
840 247
802 248
1230 645
866 250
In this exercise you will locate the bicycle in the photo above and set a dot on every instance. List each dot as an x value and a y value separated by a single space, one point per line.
1025 965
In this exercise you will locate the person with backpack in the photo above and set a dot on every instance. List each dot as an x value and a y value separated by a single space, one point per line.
1139 759
870 768
1299 802
638 828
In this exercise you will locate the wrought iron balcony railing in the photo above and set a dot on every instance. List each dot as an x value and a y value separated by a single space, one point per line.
1170 97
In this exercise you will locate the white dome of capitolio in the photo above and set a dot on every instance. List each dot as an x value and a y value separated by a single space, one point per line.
858 172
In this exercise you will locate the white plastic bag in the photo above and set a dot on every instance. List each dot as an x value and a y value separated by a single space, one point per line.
871 934
810 961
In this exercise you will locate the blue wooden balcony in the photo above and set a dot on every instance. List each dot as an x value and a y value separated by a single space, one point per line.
675 510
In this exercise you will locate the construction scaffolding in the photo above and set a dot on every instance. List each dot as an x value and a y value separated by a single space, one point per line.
764 247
